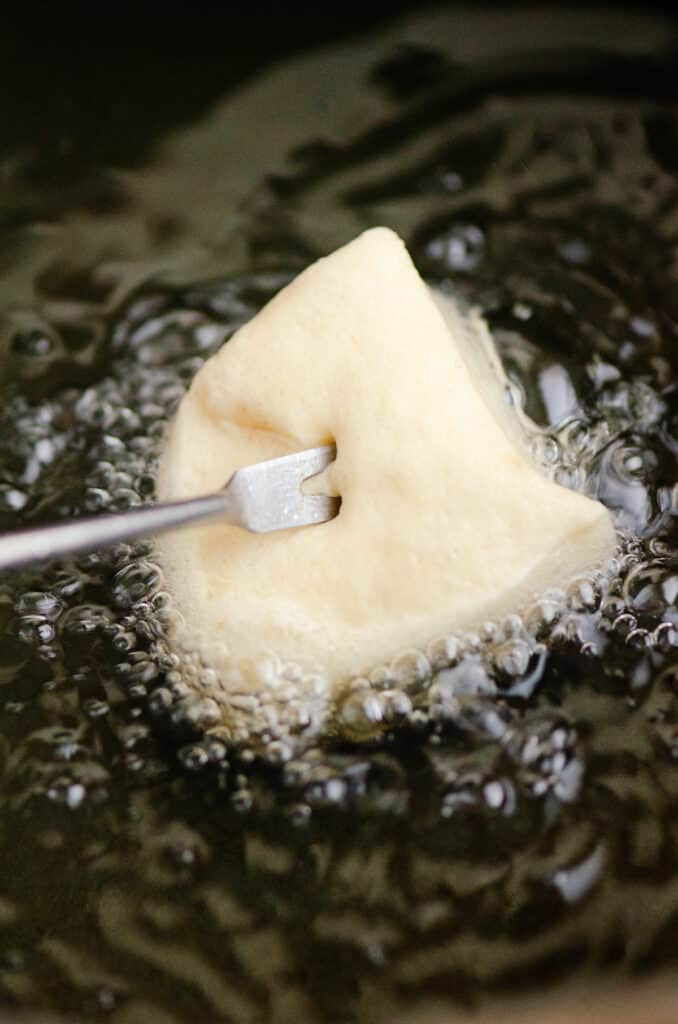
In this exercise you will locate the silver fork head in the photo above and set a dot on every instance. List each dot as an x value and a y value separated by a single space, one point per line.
268 496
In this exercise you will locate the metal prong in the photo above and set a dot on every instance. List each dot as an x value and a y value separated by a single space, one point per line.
320 508
314 461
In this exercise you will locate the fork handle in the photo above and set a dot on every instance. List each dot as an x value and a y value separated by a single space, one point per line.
36 544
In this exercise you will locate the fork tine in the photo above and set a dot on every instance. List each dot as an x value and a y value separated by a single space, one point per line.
319 508
313 461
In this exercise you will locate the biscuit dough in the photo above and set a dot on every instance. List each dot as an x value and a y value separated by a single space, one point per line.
445 521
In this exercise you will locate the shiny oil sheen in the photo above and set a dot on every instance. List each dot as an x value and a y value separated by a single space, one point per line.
494 814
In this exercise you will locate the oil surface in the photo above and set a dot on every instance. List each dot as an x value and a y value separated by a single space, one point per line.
498 815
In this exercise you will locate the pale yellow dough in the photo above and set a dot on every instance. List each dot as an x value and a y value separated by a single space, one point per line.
445 522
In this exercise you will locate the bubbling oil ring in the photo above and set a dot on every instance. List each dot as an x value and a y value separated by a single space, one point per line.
462 682
598 434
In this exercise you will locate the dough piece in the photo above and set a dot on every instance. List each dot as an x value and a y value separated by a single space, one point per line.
445 522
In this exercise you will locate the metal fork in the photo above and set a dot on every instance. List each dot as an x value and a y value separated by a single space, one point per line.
263 497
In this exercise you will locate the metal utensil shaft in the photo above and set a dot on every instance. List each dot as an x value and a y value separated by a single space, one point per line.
25 547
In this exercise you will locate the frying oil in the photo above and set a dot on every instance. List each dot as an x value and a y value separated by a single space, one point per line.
493 812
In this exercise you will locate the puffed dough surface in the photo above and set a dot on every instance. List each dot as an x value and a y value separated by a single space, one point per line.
445 521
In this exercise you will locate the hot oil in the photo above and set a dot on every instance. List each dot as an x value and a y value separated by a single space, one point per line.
493 813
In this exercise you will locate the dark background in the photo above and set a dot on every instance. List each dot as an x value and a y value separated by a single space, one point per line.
113 75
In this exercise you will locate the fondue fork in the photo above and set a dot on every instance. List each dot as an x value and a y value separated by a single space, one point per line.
263 497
